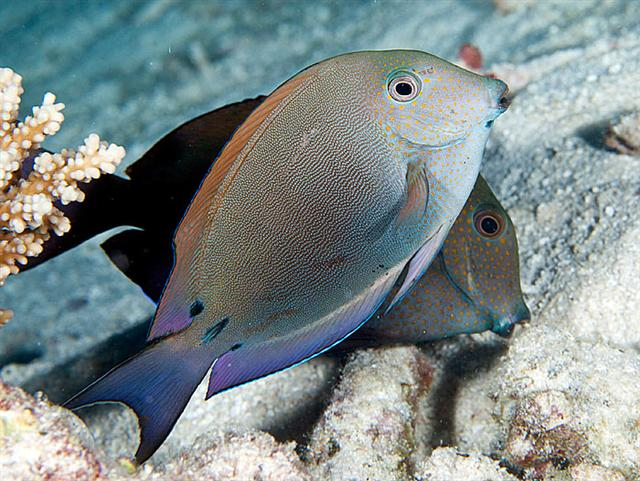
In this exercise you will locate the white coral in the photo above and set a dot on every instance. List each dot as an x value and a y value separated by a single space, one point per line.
28 213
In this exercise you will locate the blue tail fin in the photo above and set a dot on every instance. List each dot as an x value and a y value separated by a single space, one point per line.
157 384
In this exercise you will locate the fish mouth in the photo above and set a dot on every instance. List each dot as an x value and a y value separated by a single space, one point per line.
499 91
505 326
502 326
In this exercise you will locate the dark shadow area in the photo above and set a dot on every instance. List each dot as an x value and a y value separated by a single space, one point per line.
301 422
595 134
65 380
467 363
23 354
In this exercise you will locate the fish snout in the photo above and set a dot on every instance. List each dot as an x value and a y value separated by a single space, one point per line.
504 326
498 98
498 91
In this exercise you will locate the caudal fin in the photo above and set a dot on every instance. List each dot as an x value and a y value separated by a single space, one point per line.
157 384
144 257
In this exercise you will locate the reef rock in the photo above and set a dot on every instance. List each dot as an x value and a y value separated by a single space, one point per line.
447 464
368 429
39 440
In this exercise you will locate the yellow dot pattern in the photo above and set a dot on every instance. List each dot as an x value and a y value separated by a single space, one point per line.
473 283
443 129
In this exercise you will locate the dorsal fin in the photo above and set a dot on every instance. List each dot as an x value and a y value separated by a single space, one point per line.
207 200
196 143
233 155
167 177
165 181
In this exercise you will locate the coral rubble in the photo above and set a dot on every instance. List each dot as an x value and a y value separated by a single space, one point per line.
368 429
41 441
447 464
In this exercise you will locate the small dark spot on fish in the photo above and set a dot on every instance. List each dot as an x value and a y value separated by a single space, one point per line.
196 308
213 331
489 124
334 262
381 266
77 303
280 314
235 347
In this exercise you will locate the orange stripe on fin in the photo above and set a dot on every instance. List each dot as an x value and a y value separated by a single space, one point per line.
203 208
233 156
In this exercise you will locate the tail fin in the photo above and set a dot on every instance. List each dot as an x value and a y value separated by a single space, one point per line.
143 257
105 207
157 384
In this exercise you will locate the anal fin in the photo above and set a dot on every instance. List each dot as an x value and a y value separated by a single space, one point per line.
245 364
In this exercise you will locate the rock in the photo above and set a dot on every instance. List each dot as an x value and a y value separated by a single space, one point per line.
565 403
233 457
581 472
624 135
41 441
447 464
368 429
590 472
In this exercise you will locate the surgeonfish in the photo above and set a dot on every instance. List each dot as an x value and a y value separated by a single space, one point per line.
348 175
169 174
444 303
472 285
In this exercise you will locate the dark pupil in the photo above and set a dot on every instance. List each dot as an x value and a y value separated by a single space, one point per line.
404 88
489 225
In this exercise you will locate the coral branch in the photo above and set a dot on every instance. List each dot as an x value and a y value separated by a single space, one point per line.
28 196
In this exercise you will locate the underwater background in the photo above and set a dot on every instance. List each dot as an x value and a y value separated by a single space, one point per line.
559 400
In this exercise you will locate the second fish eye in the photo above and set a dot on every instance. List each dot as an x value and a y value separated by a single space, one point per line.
488 223
404 88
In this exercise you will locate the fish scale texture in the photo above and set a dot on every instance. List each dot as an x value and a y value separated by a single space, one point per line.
570 377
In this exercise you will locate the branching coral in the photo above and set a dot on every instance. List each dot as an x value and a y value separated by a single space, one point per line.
33 182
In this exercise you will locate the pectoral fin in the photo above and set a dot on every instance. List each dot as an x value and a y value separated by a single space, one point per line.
244 364
419 264
415 206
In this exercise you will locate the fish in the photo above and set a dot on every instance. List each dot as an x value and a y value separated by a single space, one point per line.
161 184
473 284
346 176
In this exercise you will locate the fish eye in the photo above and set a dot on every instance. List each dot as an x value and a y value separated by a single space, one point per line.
488 223
404 88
